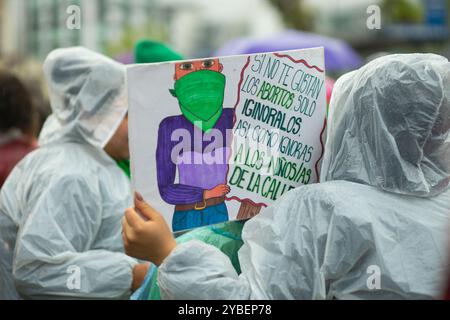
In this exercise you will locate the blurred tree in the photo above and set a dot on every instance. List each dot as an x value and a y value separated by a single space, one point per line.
295 14
403 11
448 13
131 35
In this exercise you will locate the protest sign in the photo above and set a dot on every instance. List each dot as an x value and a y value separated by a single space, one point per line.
220 139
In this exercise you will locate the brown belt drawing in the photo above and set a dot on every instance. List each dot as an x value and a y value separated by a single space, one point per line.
200 205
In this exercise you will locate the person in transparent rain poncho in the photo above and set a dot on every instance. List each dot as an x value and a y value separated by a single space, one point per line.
376 227
60 209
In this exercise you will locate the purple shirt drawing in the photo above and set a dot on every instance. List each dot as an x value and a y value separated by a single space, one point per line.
200 168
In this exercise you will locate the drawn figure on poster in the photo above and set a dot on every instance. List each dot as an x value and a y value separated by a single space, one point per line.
195 147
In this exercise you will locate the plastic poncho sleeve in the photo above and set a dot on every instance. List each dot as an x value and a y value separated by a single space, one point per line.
278 260
196 270
224 236
54 254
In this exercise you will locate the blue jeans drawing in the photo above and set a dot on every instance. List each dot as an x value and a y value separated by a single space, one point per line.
190 219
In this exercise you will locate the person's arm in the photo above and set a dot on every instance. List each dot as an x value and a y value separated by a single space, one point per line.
171 192
191 264
282 256
53 256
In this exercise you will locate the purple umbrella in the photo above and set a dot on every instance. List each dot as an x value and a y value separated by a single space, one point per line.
339 56
125 58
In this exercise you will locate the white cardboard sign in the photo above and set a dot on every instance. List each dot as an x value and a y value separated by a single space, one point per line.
220 139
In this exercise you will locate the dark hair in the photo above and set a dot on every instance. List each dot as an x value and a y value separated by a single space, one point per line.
16 105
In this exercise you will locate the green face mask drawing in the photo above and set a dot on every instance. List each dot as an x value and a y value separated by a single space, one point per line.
200 96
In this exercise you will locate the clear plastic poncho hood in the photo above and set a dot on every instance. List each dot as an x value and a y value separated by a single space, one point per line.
87 94
389 126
